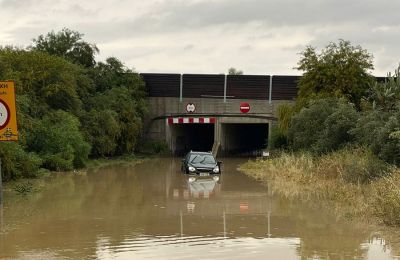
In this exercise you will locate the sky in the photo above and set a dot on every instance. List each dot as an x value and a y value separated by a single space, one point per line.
210 36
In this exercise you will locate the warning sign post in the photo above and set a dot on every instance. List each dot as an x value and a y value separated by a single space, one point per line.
8 113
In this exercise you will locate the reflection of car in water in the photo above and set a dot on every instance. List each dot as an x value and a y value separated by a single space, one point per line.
202 187
200 164
196 187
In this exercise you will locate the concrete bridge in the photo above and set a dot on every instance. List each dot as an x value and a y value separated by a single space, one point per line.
227 113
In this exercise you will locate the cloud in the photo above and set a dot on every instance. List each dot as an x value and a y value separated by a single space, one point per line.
211 35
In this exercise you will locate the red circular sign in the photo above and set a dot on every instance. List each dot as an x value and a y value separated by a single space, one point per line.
4 114
244 107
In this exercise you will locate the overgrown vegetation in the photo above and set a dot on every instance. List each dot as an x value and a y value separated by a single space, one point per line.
69 106
340 105
351 180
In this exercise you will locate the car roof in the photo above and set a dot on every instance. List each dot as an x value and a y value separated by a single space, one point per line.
194 152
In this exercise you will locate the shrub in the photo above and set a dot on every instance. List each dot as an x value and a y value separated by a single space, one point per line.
18 163
277 139
323 126
374 130
102 130
57 139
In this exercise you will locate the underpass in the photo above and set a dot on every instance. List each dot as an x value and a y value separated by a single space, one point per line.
231 113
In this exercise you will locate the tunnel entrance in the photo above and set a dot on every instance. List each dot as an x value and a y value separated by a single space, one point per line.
196 137
244 139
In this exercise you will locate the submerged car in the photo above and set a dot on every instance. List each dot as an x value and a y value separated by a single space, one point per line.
201 164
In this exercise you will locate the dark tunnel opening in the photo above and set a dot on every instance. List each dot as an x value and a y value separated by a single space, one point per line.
244 139
195 137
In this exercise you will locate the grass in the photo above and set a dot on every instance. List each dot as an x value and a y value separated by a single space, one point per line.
351 181
126 159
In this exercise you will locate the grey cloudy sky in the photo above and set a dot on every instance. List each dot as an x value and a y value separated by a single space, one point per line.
209 36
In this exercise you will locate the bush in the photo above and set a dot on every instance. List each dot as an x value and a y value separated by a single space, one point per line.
374 130
277 140
102 130
17 163
323 126
57 139
126 117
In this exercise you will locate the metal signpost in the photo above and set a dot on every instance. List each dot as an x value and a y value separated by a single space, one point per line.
8 119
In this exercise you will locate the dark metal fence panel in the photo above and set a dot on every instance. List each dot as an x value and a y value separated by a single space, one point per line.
248 87
203 86
381 79
162 85
212 86
284 87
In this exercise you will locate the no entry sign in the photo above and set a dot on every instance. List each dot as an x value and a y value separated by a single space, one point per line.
244 107
8 115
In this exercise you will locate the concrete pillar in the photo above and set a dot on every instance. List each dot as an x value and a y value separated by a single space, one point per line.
217 135
168 137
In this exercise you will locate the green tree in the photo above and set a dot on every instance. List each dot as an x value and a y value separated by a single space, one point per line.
234 71
120 97
48 82
102 130
65 108
339 70
385 95
69 45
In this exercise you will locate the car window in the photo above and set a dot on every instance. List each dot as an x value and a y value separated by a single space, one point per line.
201 158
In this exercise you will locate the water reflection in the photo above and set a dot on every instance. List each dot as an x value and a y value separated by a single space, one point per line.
152 210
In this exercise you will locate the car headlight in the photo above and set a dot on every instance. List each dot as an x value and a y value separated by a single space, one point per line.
216 169
192 169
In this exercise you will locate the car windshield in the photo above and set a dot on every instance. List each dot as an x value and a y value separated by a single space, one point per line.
201 158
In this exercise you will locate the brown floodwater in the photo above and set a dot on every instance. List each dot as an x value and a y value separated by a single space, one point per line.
151 210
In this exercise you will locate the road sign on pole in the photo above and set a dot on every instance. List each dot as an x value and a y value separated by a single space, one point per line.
8 119
8 114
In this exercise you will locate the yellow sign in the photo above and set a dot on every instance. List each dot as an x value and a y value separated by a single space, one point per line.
8 113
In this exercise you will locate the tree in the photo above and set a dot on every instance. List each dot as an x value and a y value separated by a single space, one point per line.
69 45
339 70
119 103
385 95
234 71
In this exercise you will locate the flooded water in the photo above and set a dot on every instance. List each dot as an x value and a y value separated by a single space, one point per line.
153 211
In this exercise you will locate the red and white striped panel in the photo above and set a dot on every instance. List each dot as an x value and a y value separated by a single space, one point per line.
191 120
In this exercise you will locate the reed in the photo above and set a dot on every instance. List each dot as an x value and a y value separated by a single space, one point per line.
350 181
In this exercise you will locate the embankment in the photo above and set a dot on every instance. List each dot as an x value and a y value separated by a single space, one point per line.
351 181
